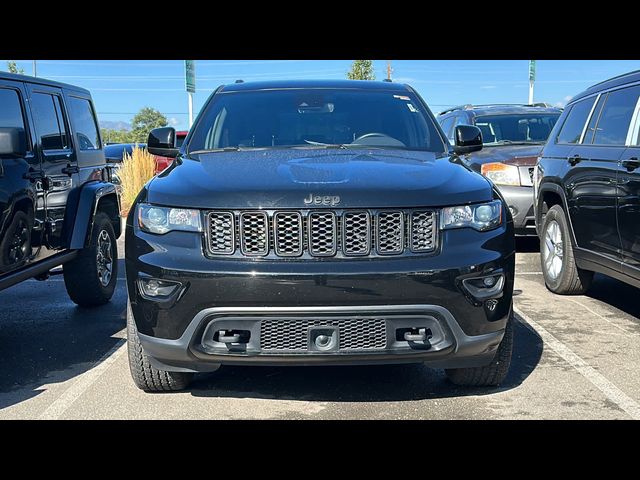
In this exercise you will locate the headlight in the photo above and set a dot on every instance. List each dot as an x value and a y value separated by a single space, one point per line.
501 174
481 217
154 219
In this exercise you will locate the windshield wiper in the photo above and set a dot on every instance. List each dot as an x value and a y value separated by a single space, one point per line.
225 149
514 142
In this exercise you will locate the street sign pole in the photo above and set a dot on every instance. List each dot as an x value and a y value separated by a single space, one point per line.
190 84
532 79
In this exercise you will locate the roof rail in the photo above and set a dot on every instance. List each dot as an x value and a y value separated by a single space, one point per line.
459 107
239 81
613 78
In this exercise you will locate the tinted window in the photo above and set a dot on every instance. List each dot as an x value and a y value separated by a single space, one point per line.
615 117
84 123
49 122
591 128
521 127
180 140
315 118
10 109
574 123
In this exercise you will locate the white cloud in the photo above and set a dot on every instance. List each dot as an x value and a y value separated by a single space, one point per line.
173 121
487 87
563 102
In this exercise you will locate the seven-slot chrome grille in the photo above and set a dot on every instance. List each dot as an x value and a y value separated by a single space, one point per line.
321 233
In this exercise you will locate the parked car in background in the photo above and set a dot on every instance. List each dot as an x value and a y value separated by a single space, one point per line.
164 162
513 136
587 200
57 203
114 153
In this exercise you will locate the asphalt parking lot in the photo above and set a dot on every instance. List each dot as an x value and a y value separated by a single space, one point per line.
574 358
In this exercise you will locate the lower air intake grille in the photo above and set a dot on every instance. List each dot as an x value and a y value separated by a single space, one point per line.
292 335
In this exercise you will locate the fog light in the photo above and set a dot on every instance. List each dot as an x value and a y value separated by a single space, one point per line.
513 210
489 281
156 288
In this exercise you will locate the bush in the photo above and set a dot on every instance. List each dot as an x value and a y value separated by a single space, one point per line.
136 170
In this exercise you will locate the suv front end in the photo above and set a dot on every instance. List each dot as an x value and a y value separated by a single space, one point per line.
318 256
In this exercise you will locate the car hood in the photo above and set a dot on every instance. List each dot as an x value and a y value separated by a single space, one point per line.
521 155
284 178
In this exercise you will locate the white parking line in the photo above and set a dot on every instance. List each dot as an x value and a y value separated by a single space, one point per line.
83 382
613 393
603 318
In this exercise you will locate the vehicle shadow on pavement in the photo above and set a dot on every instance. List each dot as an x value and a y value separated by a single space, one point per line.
361 383
47 339
617 294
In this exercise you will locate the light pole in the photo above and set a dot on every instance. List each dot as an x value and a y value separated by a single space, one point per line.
35 72
532 79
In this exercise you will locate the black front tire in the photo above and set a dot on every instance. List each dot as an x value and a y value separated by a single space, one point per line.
570 280
146 376
490 375
81 276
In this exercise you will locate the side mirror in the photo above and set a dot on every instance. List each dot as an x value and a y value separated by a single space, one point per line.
468 139
162 142
13 142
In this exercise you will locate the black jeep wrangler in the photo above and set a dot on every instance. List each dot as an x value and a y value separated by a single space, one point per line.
318 223
57 204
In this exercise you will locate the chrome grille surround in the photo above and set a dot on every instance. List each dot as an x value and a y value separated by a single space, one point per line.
254 238
315 233
390 232
421 230
221 233
323 234
288 234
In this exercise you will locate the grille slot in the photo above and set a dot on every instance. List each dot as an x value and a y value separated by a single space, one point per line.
322 234
422 231
390 233
291 335
221 238
287 234
356 233
254 233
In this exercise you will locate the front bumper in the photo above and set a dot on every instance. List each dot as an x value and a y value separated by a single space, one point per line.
520 202
237 294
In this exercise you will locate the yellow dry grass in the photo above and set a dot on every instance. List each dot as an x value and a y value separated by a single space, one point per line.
136 170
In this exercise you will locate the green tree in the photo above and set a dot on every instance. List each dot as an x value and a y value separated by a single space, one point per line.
111 135
12 67
146 120
361 70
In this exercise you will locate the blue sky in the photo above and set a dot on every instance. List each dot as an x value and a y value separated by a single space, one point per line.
121 87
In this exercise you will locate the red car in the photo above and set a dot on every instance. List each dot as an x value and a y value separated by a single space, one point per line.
164 162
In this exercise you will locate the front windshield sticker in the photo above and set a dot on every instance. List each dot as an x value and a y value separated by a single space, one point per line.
412 108
401 97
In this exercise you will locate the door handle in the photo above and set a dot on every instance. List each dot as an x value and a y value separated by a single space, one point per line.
70 169
573 161
631 163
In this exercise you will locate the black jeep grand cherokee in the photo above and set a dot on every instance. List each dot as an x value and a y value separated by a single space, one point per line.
318 223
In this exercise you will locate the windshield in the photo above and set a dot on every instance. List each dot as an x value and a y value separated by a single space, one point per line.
520 128
315 118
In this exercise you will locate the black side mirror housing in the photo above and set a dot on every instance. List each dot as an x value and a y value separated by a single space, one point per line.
162 142
13 142
468 139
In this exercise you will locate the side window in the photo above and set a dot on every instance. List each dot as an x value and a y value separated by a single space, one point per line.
84 123
49 121
11 114
446 125
613 124
574 123
591 128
